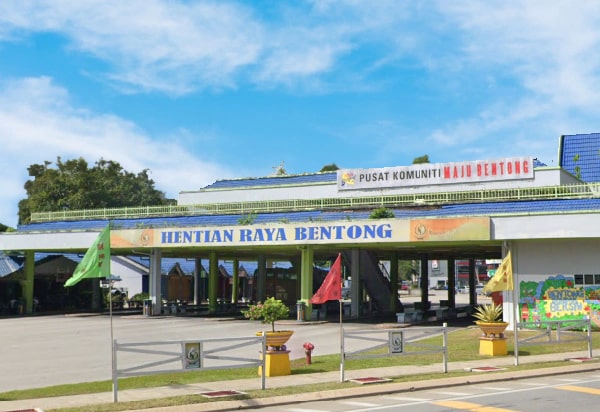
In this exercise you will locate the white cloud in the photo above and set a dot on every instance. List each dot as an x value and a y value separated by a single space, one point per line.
38 123
192 44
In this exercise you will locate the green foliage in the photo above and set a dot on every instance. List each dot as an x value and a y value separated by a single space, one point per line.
381 213
247 219
406 269
421 159
490 313
140 297
4 228
329 168
73 185
268 312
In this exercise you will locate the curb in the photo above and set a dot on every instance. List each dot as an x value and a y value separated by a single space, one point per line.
377 389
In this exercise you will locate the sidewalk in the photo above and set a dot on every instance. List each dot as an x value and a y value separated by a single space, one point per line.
86 402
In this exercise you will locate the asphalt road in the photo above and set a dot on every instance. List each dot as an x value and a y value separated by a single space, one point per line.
573 392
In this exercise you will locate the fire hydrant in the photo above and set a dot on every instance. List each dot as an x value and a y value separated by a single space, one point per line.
308 348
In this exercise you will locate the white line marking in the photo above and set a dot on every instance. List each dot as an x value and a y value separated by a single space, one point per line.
533 383
496 388
364 404
406 398
455 393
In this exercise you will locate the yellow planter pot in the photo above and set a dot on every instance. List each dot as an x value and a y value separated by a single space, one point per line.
492 329
277 338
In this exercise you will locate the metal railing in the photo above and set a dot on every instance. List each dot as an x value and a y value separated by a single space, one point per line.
392 342
554 332
151 358
576 191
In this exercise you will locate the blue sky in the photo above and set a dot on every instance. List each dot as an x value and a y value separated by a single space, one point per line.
197 91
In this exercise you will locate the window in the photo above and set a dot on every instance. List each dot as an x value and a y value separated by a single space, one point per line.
587 279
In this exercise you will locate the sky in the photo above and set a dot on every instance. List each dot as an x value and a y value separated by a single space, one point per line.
197 91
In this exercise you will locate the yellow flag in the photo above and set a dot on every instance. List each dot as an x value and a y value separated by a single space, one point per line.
503 279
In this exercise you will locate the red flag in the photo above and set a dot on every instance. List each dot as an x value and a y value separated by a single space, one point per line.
331 289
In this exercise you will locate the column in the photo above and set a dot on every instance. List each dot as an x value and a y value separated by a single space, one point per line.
306 279
451 283
261 281
27 283
213 281
235 284
155 281
425 282
394 282
355 285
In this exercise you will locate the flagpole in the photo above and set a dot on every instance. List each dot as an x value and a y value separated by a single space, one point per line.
341 342
515 296
112 342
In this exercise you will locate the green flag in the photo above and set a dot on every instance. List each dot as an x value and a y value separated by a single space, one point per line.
96 262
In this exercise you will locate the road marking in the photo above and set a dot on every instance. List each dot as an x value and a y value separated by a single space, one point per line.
533 383
469 406
582 389
569 380
304 410
454 393
365 404
406 398
496 388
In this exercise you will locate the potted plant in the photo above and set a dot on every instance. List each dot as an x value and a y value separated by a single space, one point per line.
489 319
269 311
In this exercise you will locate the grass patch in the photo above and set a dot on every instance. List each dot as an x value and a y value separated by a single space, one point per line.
463 346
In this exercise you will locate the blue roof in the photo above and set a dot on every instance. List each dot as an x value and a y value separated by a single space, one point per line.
7 265
580 155
309 178
467 209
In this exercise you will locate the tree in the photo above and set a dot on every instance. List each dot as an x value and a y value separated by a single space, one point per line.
407 269
332 167
382 213
421 159
73 185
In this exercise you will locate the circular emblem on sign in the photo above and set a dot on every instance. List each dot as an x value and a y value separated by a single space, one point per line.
146 237
420 230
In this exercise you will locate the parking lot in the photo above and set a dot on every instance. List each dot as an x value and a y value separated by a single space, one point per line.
41 351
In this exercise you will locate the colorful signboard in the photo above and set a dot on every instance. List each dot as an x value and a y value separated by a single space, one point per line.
349 232
558 298
476 171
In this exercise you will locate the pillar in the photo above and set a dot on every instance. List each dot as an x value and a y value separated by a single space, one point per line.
306 278
425 282
451 283
472 283
394 282
235 282
261 281
27 283
355 285
155 281
213 281
197 269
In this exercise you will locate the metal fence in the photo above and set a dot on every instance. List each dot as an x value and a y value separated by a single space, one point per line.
392 342
587 190
149 358
554 332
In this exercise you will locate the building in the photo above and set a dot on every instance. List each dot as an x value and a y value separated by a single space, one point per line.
461 211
